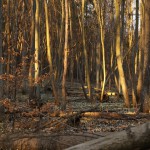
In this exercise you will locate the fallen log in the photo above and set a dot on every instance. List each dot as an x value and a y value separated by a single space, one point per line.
110 115
130 139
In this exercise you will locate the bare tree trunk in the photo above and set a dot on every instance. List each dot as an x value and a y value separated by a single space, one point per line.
49 56
133 61
24 53
32 49
101 25
122 25
98 65
100 16
61 35
147 44
112 52
87 74
122 38
130 139
15 42
146 52
132 56
1 52
119 56
71 39
7 28
36 57
65 57
141 54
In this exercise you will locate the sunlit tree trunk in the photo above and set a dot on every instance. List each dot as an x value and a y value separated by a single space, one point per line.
131 64
65 65
87 72
145 89
119 56
32 49
141 49
1 53
122 37
130 24
36 55
49 56
101 21
101 26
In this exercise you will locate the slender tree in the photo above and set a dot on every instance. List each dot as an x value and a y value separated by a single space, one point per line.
36 55
99 11
49 56
133 58
119 56
61 37
7 29
87 72
145 46
66 50
1 53
32 49
140 59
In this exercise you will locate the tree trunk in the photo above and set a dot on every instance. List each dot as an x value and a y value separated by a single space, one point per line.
65 57
49 56
7 28
32 49
98 65
141 54
1 52
146 51
87 72
61 40
133 58
132 138
147 38
36 57
24 54
119 56
102 39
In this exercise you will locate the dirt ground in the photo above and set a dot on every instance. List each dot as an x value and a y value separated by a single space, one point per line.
23 124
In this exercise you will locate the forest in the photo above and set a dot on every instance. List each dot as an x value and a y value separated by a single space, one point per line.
74 71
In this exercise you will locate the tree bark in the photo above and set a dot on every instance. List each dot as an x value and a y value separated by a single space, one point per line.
147 38
1 52
132 138
100 16
87 72
141 54
119 56
36 56
146 47
49 56
65 57
32 49
7 28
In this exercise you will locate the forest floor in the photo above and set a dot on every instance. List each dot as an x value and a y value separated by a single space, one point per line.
83 120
